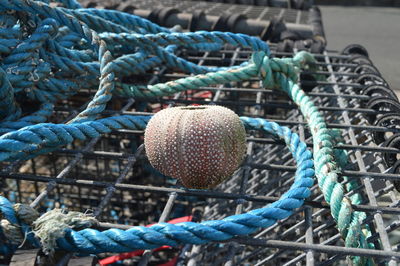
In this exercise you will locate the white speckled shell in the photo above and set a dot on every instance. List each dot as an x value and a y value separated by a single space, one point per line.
200 145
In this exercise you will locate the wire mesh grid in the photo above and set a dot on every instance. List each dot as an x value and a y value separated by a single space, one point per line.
216 9
111 177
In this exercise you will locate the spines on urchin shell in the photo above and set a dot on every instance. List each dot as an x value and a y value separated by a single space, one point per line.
200 145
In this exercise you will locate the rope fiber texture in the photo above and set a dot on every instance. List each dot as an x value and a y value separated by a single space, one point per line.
51 52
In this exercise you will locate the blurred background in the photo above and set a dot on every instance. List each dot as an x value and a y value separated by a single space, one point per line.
376 28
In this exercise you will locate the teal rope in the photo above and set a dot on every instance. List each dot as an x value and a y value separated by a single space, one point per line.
327 170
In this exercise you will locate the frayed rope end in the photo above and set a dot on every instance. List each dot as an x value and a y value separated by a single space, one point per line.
53 225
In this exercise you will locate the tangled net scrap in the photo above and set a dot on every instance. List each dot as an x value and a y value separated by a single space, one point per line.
51 52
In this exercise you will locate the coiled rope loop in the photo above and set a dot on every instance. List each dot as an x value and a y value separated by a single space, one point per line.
91 241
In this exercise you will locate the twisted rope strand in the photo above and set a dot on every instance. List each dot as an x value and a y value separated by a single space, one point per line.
164 39
349 222
17 144
131 22
40 116
9 108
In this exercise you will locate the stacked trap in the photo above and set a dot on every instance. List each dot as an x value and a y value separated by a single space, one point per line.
111 177
289 27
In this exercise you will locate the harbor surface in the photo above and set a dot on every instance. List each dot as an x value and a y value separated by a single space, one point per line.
376 28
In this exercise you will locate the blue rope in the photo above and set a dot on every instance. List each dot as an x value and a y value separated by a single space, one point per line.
91 241
9 109
40 116
26 142
64 53
53 63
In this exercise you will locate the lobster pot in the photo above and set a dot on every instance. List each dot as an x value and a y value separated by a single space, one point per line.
358 103
112 177
297 26
295 4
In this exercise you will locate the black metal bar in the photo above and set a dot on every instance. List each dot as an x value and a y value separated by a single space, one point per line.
248 26
187 192
270 243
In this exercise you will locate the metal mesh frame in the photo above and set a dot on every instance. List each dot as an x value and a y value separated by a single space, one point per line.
111 177
297 4
254 12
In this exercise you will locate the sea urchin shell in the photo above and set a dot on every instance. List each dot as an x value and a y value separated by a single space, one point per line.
200 145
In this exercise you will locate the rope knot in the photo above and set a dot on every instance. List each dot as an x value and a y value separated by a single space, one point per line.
304 58
20 223
272 71
15 221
